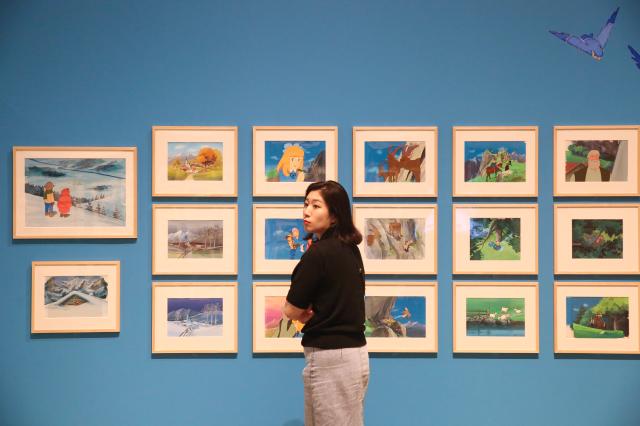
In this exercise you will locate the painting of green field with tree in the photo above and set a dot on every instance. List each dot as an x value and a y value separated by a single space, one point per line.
495 316
494 238
598 317
195 161
596 238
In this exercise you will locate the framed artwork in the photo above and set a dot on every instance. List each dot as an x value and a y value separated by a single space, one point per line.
194 317
495 317
273 332
195 161
75 297
401 316
279 238
287 159
395 161
195 239
495 239
75 192
596 161
596 317
495 161
596 239
398 238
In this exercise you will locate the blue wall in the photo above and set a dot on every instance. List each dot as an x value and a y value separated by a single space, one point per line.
103 72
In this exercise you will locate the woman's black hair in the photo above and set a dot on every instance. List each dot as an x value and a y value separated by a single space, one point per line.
337 201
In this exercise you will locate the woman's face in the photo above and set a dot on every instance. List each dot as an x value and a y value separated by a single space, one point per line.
295 163
315 213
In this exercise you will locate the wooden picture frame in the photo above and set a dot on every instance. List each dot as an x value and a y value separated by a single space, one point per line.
596 317
186 239
75 297
194 317
596 238
413 153
480 245
579 151
286 159
401 316
74 192
273 332
398 238
500 161
483 324
194 161
278 238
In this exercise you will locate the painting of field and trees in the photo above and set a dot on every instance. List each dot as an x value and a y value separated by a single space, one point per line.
596 239
495 317
394 161
494 238
195 161
597 317
395 316
495 161
195 239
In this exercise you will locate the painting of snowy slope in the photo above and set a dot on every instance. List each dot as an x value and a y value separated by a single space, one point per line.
75 296
84 192
194 317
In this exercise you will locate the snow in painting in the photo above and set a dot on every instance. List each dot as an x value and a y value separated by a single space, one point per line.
75 296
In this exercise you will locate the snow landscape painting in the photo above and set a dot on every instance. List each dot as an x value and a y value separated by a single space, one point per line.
195 239
188 317
74 192
75 296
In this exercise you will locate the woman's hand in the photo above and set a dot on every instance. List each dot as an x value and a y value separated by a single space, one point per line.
295 313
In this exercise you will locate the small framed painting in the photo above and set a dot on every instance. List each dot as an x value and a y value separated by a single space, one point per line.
195 239
273 332
398 238
495 317
194 317
75 297
279 238
401 316
596 239
75 192
195 161
287 159
596 317
495 161
495 239
596 161
395 161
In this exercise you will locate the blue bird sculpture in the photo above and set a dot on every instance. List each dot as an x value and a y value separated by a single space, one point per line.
587 43
635 56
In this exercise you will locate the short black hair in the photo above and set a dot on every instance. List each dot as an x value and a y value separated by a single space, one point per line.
337 200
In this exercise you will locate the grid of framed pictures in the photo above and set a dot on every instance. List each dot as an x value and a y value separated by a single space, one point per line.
194 317
495 317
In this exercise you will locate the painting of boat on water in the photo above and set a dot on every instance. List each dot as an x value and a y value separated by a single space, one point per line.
193 317
75 296
597 317
75 192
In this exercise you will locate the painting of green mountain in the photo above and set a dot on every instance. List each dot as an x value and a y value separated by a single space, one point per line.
495 316
598 317
494 239
596 238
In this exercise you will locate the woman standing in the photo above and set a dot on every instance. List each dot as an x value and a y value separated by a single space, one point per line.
327 294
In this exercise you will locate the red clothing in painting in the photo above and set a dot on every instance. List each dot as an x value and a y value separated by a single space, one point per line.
64 202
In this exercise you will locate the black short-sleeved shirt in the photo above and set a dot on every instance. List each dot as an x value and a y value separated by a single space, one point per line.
330 278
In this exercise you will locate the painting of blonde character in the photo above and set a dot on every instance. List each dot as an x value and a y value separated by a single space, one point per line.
299 161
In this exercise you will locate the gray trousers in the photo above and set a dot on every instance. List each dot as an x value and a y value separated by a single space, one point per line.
335 383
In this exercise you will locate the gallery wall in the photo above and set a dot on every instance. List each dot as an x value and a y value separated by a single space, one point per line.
100 73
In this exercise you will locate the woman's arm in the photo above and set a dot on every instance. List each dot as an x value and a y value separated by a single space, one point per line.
295 313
